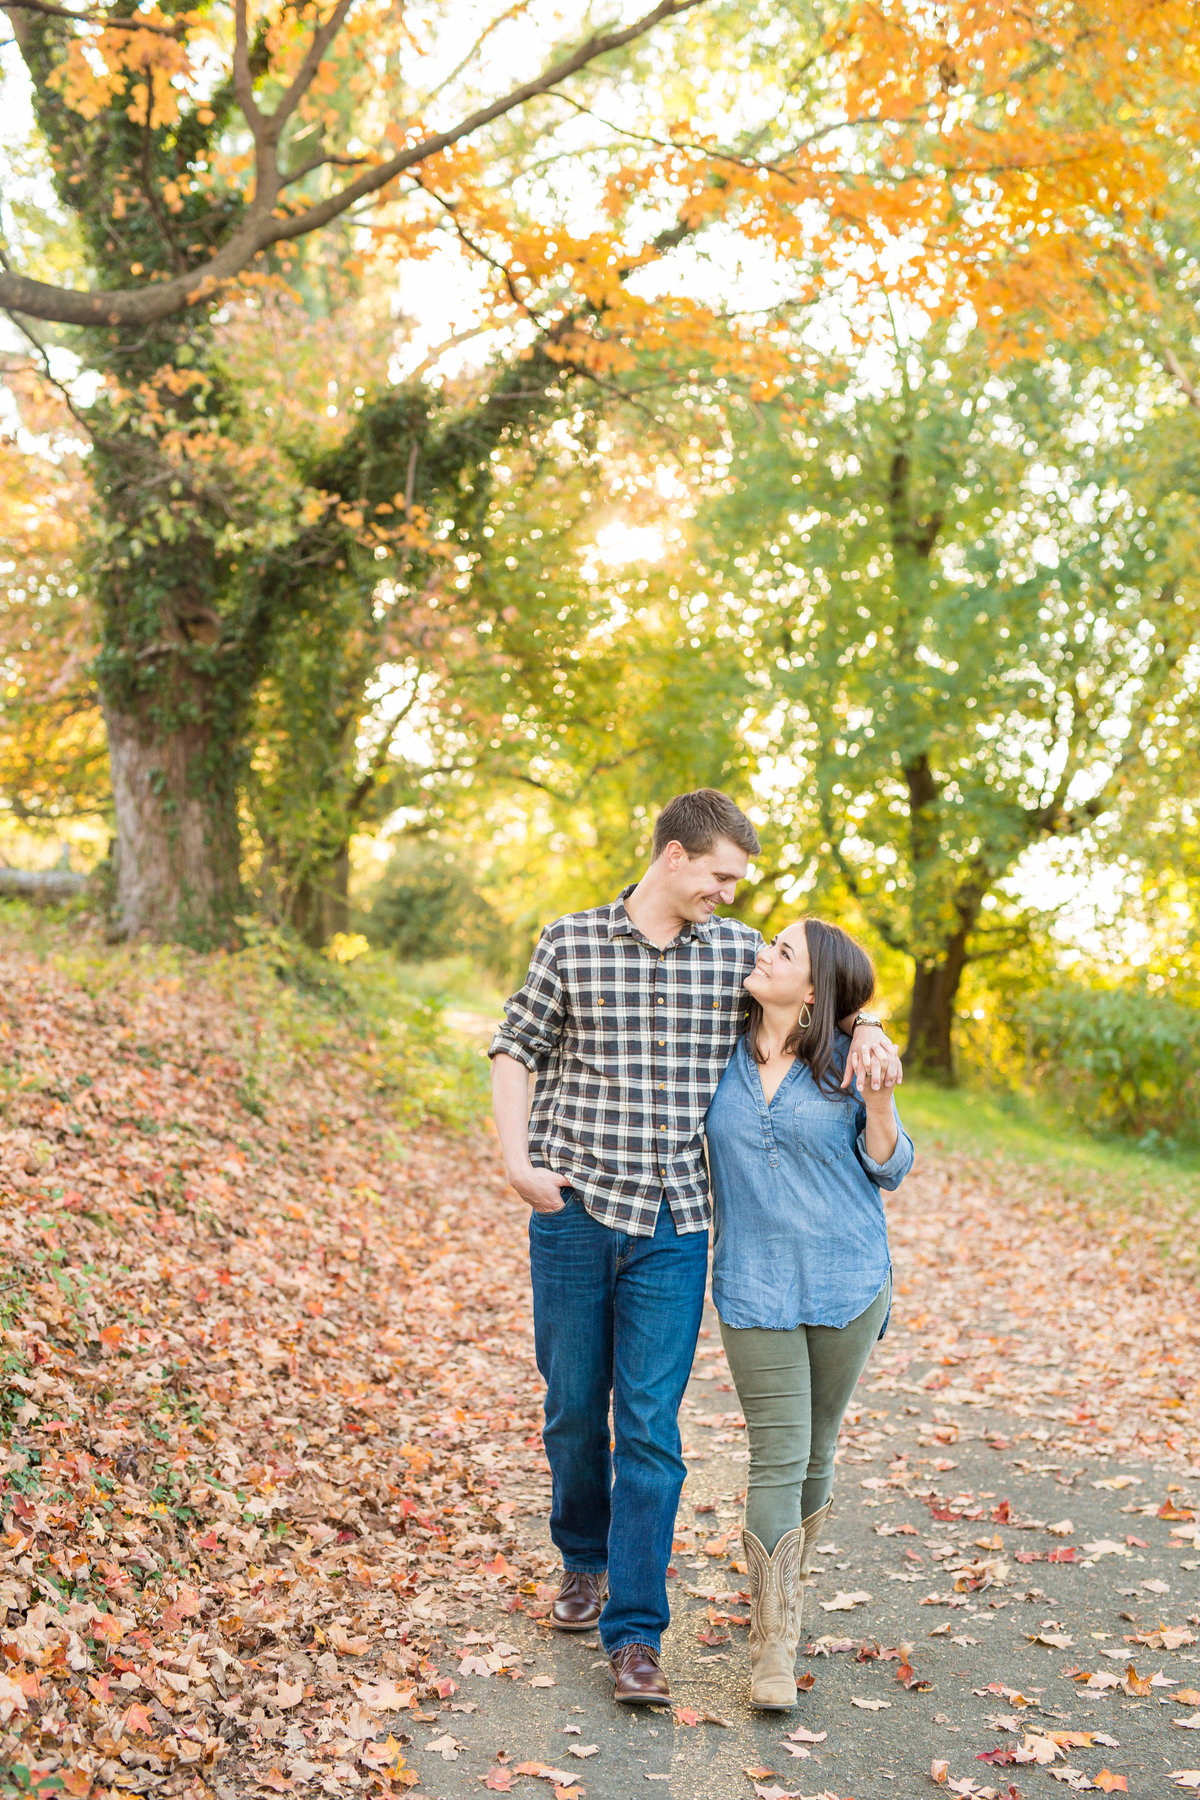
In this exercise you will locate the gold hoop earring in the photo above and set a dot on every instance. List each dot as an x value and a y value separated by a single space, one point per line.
805 1023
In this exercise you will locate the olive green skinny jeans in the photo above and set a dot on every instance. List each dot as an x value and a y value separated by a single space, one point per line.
794 1387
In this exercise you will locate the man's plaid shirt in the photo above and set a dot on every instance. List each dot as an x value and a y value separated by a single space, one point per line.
628 1043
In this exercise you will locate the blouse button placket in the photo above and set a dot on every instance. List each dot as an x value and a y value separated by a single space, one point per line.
768 1125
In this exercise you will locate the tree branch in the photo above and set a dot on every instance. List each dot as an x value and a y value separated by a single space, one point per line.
262 227
49 11
1175 368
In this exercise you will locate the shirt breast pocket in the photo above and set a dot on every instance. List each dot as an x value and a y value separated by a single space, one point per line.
823 1129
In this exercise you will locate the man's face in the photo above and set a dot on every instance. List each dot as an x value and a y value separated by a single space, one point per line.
699 884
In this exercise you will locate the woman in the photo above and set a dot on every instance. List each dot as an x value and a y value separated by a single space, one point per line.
801 1267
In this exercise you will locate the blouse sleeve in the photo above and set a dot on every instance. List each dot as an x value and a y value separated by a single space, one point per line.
887 1175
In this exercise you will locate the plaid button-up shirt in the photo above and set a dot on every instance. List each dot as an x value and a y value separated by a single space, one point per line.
628 1043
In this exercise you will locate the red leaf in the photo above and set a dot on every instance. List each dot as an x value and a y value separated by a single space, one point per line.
906 1675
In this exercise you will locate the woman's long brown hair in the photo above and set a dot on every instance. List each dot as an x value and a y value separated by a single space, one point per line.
843 979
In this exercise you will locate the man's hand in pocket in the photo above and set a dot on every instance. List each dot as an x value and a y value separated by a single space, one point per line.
541 1188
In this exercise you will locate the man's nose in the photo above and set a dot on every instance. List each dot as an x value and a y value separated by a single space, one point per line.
727 891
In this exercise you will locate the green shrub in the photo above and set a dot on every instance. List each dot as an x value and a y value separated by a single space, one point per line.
1120 1059
426 907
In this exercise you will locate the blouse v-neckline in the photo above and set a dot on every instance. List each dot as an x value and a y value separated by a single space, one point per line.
756 1076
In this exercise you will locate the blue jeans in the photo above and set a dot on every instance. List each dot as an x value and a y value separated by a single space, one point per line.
616 1315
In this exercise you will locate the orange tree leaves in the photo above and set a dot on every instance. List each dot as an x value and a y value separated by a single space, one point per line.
977 148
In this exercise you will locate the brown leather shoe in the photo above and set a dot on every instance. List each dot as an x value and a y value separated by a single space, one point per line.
640 1681
580 1600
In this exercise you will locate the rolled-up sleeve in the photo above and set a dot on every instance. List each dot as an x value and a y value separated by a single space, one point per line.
533 1018
891 1173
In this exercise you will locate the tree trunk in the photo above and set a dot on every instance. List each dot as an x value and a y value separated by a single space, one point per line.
177 842
320 904
930 1048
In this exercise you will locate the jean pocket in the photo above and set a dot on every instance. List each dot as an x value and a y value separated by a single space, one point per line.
571 1203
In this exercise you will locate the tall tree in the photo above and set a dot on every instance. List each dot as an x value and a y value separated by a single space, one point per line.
974 624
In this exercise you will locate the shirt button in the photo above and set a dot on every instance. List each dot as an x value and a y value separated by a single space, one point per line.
660 1000
662 1128
662 1087
662 1043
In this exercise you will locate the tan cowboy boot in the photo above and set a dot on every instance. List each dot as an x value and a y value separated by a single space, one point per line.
812 1528
774 1611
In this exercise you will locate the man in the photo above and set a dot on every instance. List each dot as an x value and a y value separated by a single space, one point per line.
627 1019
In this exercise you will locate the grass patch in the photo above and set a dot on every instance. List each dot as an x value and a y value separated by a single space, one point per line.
966 1123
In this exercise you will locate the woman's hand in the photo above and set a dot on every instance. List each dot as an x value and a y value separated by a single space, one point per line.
874 1060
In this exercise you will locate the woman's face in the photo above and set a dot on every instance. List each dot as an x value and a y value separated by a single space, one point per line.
781 975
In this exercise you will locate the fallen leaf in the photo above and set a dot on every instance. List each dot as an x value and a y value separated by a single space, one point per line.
1108 1783
1185 1778
499 1780
1135 1683
842 1602
869 1705
1057 1640
289 1693
939 1771
1187 1697
542 1681
385 1696
906 1675
446 1747
802 1735
1038 1749
1192 1724
583 1750
757 1774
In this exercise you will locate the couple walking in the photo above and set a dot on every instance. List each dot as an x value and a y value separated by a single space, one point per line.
652 1027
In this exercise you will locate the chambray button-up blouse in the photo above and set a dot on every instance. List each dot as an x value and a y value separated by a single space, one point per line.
800 1236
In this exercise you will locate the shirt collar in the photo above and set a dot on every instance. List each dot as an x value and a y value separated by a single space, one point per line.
621 925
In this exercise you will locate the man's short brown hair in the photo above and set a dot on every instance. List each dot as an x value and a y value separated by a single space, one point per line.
697 820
